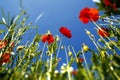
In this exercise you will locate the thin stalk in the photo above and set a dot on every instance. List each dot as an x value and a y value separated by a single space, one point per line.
73 51
94 43
103 30
104 41
69 78
43 50
114 73
50 69
59 48
86 63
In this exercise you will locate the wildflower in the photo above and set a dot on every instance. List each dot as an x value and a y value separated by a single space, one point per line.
80 60
12 53
65 68
56 71
69 69
94 14
85 48
5 58
2 44
74 72
26 76
107 2
66 32
103 32
110 4
44 38
98 1
84 16
88 14
48 38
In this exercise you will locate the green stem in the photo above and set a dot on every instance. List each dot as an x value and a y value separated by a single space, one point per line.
59 48
50 69
86 63
43 50
103 31
93 40
69 77
73 51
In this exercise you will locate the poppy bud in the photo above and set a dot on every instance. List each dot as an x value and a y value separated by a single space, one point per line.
102 53
70 53
20 48
87 32
85 48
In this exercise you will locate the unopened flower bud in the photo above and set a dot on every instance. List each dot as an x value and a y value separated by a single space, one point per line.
20 48
88 32
57 38
62 47
47 52
92 36
102 53
85 48
70 53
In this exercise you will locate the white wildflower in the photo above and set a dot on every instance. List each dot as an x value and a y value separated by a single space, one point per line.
98 1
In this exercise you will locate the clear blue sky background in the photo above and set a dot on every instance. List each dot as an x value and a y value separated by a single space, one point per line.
57 13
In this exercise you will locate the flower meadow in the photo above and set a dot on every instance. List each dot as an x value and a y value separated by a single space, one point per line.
28 61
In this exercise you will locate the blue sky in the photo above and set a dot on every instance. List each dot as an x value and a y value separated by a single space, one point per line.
56 13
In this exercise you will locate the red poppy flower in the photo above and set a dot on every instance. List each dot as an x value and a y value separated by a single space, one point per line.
103 32
107 2
5 58
2 44
114 7
48 38
74 72
88 14
66 32
80 60
94 14
44 38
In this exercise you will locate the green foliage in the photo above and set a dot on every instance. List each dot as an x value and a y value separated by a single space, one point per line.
30 61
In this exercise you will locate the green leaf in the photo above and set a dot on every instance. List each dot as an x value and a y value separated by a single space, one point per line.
3 14
37 38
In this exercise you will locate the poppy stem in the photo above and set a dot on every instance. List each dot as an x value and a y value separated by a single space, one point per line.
103 31
69 78
50 62
85 63
50 69
94 42
66 55
43 50
73 51
59 48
